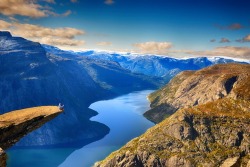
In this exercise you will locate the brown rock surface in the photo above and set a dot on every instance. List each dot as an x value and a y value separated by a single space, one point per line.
16 124
3 158
191 88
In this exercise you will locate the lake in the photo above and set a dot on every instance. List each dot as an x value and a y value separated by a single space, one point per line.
123 115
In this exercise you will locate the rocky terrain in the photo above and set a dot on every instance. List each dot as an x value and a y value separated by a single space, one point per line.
191 88
16 124
212 132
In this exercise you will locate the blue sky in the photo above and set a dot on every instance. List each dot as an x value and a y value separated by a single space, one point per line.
166 27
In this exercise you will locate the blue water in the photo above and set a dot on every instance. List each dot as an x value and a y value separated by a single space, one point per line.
123 115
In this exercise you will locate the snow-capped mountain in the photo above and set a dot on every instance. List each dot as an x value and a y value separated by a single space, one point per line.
159 66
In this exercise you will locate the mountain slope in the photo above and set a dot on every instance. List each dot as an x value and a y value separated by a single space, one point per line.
32 76
191 88
216 133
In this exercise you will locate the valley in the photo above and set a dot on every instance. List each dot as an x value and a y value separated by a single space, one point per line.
33 75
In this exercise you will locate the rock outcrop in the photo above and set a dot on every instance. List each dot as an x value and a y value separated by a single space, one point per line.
191 88
216 133
16 124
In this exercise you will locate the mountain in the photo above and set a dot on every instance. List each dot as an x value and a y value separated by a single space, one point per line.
32 76
152 65
191 88
213 132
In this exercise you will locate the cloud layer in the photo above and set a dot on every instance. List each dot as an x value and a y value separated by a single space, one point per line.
229 51
52 36
28 8
104 43
4 25
22 7
166 48
153 47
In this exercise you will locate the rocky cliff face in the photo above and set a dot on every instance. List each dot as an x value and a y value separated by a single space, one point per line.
216 133
191 88
16 124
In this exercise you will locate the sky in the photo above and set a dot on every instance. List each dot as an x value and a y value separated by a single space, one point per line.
177 28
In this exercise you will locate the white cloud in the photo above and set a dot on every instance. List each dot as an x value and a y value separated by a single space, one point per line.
153 47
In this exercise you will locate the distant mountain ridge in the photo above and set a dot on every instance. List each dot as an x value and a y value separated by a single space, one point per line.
151 65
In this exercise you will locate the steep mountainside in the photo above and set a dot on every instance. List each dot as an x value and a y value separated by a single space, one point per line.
191 88
32 76
216 133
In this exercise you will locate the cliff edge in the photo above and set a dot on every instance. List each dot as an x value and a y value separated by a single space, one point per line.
16 124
